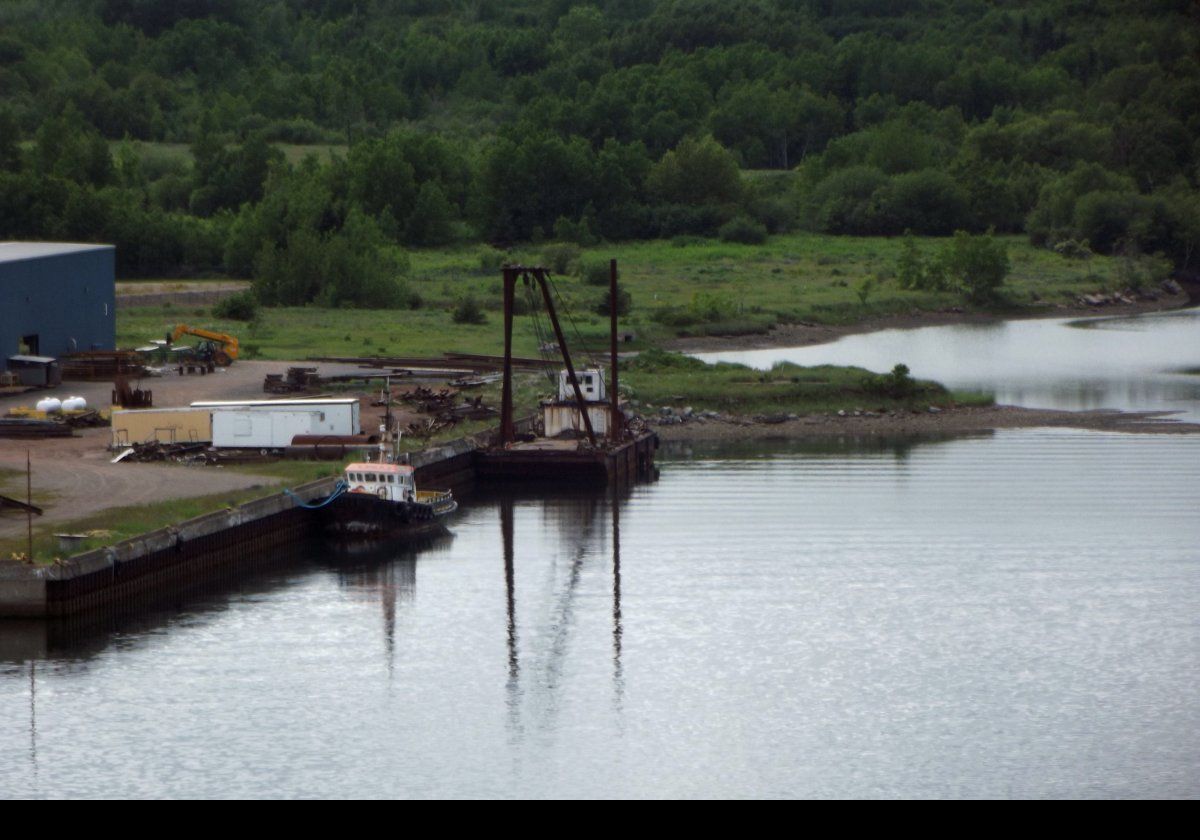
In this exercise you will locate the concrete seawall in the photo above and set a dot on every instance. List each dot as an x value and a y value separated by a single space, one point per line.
170 556
199 549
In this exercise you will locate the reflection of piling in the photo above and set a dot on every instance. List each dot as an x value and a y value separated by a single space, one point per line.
618 677
506 532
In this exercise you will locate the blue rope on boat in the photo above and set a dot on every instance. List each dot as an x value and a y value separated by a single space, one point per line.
338 489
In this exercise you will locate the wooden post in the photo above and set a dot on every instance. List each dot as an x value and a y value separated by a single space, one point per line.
614 426
507 434
29 502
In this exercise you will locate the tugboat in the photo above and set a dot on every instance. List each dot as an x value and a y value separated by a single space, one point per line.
380 499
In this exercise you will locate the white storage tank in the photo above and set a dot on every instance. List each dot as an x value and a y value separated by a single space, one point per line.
49 405
74 404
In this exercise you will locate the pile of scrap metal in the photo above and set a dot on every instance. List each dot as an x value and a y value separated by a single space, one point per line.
297 380
152 450
126 397
427 401
445 412
88 418
101 364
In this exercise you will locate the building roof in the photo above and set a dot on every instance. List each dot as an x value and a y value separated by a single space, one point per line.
19 251
269 403
367 466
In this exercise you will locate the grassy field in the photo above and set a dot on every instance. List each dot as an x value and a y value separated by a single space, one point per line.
703 287
659 379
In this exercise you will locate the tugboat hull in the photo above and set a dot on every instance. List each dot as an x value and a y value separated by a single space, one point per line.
362 515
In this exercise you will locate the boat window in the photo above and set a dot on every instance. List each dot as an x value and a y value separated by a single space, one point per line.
371 477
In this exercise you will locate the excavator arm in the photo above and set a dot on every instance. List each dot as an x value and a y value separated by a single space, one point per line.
225 346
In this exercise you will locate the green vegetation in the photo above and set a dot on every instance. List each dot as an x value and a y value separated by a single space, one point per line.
657 378
240 307
311 144
690 288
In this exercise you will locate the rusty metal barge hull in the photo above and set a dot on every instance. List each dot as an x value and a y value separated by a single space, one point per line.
629 461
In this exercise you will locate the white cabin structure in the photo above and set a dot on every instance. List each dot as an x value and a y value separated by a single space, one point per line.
390 482
562 413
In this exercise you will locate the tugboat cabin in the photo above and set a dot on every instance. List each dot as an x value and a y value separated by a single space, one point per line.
390 482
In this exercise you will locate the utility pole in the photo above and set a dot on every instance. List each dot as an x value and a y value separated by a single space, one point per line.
614 426
29 505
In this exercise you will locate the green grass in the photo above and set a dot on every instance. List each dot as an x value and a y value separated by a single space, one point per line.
669 379
710 288
116 524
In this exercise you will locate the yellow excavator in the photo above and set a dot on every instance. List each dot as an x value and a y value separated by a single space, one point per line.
218 348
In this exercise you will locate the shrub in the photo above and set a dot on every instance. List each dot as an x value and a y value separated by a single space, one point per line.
595 273
674 316
712 306
491 260
897 384
863 289
1073 249
240 307
468 311
624 302
915 272
561 258
743 229
978 264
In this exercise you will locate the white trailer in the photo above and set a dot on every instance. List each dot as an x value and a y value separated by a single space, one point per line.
271 424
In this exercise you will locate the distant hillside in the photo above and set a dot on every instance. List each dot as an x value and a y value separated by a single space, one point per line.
1071 120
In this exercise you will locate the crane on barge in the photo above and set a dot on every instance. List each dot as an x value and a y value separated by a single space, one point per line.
624 454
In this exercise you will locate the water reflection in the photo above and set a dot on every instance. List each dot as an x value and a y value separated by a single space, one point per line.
1006 615
574 514
382 572
1130 363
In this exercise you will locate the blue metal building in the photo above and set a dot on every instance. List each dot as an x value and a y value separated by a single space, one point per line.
56 298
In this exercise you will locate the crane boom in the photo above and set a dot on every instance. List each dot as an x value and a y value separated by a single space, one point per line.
224 346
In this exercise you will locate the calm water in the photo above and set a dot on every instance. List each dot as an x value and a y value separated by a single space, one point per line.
1126 363
1004 615
1007 615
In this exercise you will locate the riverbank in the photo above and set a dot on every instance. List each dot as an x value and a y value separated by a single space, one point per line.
808 333
947 421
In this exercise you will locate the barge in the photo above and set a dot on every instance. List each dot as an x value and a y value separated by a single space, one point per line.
584 436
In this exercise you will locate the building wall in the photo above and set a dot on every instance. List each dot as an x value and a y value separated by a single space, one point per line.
67 299
166 425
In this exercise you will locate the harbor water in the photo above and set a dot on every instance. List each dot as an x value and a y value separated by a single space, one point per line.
1002 615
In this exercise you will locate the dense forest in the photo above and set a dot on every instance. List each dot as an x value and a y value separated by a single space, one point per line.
161 127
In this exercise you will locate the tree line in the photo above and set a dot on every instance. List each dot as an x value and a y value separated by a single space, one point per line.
464 120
